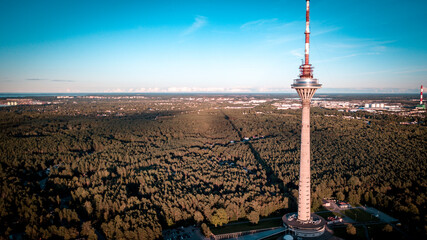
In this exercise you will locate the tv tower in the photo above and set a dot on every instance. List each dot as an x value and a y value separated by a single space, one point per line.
421 106
304 223
305 85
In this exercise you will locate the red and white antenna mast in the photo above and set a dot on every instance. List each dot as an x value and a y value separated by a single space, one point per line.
307 33
421 95
306 70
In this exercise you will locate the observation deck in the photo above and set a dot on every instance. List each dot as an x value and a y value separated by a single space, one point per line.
306 83
306 79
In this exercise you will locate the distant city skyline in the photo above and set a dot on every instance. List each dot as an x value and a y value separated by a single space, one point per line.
210 46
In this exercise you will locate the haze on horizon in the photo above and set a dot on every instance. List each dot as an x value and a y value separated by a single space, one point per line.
210 46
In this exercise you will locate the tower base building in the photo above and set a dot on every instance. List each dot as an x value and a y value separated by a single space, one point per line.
313 228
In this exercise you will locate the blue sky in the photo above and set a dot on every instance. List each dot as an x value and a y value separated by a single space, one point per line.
210 45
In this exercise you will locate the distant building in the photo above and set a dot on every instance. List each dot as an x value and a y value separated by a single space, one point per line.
375 105
326 203
20 101
343 205
421 107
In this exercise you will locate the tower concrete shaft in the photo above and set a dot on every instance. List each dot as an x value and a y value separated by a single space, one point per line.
304 192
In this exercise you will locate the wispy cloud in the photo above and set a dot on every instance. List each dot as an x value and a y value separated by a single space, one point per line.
397 71
325 30
357 47
283 26
360 43
379 49
51 80
411 71
199 22
199 90
297 53
294 37
257 23
59 80
284 39
346 56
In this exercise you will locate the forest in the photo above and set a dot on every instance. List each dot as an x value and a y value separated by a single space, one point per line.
128 169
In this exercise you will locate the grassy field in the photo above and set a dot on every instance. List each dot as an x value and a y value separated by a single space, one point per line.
327 214
320 209
239 227
359 215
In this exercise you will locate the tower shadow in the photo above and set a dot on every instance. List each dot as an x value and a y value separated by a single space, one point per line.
272 177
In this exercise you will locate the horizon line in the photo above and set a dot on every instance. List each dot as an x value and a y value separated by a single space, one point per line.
100 93
219 90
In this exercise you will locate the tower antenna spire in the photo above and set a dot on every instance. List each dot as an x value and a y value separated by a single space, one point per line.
305 68
307 32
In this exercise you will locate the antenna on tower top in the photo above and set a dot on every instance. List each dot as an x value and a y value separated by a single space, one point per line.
306 70
307 33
